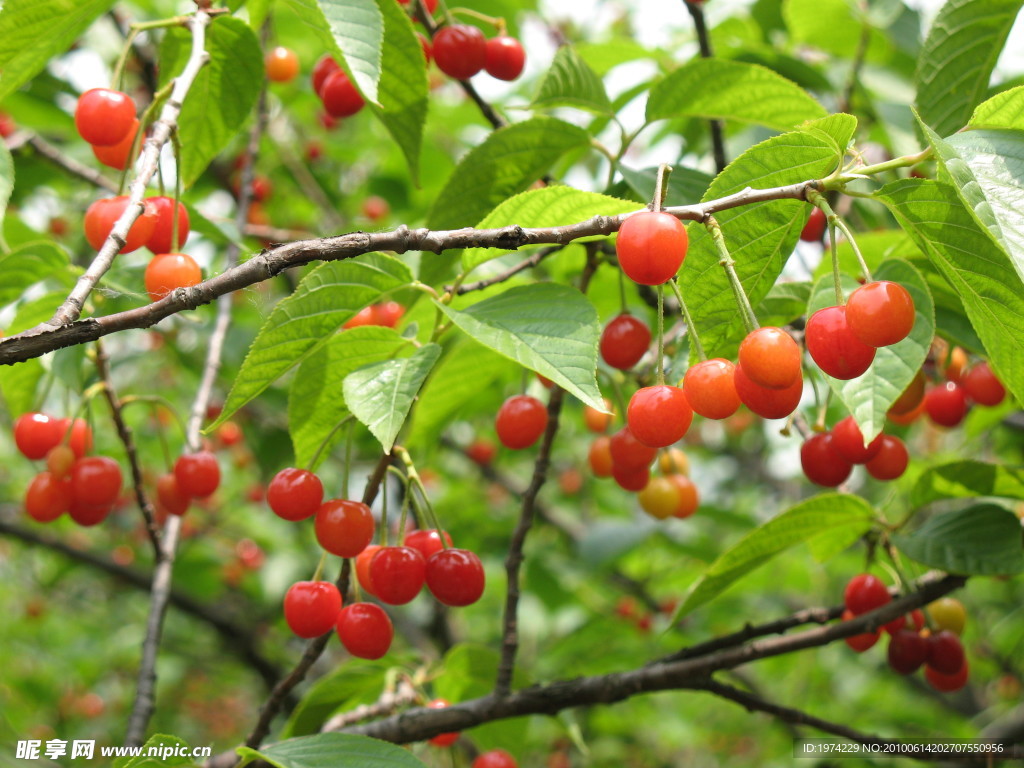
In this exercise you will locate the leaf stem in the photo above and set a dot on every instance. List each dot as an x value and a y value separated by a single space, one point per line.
729 265
690 327
661 187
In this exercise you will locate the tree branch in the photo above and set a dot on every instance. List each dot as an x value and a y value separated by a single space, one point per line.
55 156
696 9
509 273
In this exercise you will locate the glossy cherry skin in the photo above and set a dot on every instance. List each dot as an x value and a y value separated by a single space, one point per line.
460 51
198 474
442 739
428 49
168 272
104 117
864 593
96 480
947 683
600 456
397 574
822 463
946 404
363 560
982 386
833 347
631 478
365 630
295 494
521 421
324 66
767 403
880 313
624 341
628 452
170 496
848 441
102 215
36 434
340 96
364 316
161 239
455 577
505 58
814 229
344 528
47 498
659 416
282 65
311 608
427 541
947 613
496 758
770 358
907 651
945 652
659 498
118 155
651 247
711 389
891 461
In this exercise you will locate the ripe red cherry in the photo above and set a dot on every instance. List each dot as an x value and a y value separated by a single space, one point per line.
891 461
170 496
907 651
281 64
880 313
168 272
364 316
481 451
47 498
689 498
521 420
770 358
455 577
834 347
340 96
397 574
982 386
427 541
814 229
947 683
198 474
767 403
363 568
629 453
344 528
600 456
88 515
36 434
80 440
862 642
848 441
631 478
822 463
387 313
311 608
460 51
711 390
295 494
864 593
95 480
624 341
505 57
496 758
659 416
102 215
117 155
365 630
103 117
161 239
323 67
945 653
442 739
651 247
946 404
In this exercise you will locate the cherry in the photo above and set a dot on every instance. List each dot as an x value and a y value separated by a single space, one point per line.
907 651
95 480
880 313
689 499
651 247
375 208
521 420
947 613
848 442
387 313
624 341
631 478
891 461
430 4
261 188
822 463
170 496
864 593
118 155
364 316
711 390
504 57
59 461
814 229
168 272
496 758
442 739
834 347
947 683
455 577
916 623
659 416
311 608
363 568
80 440
674 461
88 515
660 498
946 404
600 457
295 494
427 541
910 398
629 453
324 66
862 642
982 386
945 652
7 125
47 497
282 65
103 117
770 358
397 574
102 215
460 51
427 48
956 365
481 451
767 403
344 528
365 630
198 474
36 434
595 420
340 96
161 239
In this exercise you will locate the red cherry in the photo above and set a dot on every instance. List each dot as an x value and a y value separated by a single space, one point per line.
481 451
427 48
442 739
891 461
170 496
982 386
344 528
375 208
848 441
295 494
363 568
504 58
324 66
833 346
427 541
47 498
624 341
651 247
496 758
168 272
770 358
282 65
7 125
864 593
659 416
102 215
862 642
822 463
947 683
880 313
387 314
365 316
711 390
341 98
767 403
814 229
629 453
161 239
88 515
365 630
198 474
631 478
36 434
521 420
946 404
118 155
460 51
600 456
95 481
80 440
455 577
945 652
397 574
907 651
311 608
689 499
103 117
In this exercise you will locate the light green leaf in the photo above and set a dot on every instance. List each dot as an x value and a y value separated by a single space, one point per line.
6 181
171 744
331 750
825 24
983 539
722 89
571 83
784 303
1004 110
967 479
685 185
29 264
18 385
550 329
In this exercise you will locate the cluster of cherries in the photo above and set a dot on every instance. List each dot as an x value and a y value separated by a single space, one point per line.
461 51
106 119
911 643
392 574
827 458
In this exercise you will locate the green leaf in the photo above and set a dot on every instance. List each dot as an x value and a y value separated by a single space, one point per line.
722 89
684 184
805 521
167 745
315 400
784 303
548 207
223 93
331 750
29 264
351 684
1004 110
959 54
6 181
327 297
983 539
551 329
971 261
34 31
18 385
381 394
967 479
572 83
825 24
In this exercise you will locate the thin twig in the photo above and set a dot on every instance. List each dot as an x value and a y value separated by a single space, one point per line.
700 26
389 701
509 273
55 156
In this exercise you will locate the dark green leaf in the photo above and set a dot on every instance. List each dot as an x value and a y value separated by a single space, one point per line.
967 479
331 750
685 185
983 539
351 684
571 83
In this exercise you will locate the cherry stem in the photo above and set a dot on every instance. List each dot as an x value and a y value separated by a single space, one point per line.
661 187
115 78
905 161
384 512
495 21
729 265
356 591
819 423
417 483
661 334
320 567
856 249
404 480
157 103
690 327
320 449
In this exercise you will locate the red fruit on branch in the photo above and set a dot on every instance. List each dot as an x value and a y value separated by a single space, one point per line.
281 64
767 403
659 416
102 215
365 630
711 388
427 541
822 463
815 227
624 341
161 241
442 739
982 386
104 117
864 593
455 577
907 651
340 97
505 58
47 497
521 421
770 358
397 574
198 474
311 608
168 272
848 441
834 347
460 51
880 313
344 528
891 461
295 494
36 434
861 642
946 404
119 155
651 247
